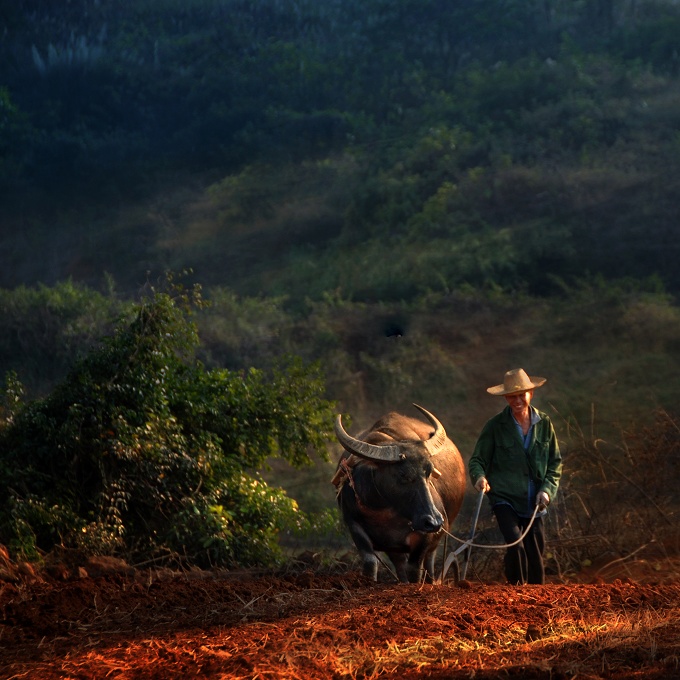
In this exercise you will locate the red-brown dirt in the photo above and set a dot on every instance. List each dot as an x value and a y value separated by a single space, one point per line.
104 620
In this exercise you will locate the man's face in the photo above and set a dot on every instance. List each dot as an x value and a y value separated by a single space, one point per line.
519 403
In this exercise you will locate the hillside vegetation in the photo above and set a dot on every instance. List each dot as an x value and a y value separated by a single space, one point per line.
417 195
295 147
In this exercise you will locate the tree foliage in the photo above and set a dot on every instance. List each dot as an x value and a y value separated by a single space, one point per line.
143 452
498 140
103 89
45 329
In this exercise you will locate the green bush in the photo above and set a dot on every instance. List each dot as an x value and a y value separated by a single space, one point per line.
45 329
143 452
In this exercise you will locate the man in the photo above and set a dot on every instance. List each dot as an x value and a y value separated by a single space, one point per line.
517 462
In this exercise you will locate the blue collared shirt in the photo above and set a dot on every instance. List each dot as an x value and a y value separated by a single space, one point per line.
526 442
526 438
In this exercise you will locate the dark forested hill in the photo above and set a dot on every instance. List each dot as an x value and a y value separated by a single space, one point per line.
381 148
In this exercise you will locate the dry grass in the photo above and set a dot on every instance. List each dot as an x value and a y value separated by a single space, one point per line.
576 645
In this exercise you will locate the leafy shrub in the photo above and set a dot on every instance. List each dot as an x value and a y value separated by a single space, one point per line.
141 451
242 331
45 329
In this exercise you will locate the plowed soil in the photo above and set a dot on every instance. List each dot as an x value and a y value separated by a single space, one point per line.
105 620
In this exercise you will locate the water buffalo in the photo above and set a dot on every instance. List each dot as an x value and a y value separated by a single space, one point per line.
399 484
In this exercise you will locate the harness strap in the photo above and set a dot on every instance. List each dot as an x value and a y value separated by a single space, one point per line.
346 465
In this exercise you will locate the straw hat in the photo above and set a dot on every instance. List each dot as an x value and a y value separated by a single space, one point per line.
516 381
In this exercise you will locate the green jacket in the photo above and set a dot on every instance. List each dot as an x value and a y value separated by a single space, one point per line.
500 457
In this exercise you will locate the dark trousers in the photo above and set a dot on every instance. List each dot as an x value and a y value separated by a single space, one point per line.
524 561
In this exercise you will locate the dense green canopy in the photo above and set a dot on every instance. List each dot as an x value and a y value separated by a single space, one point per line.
280 146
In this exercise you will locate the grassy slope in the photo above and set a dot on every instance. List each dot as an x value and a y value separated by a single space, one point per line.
610 359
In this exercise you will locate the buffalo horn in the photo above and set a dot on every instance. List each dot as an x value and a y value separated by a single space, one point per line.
436 442
388 453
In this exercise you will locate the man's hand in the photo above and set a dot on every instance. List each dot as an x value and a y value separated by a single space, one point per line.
482 485
542 500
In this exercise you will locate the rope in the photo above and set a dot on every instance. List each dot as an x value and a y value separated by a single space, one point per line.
500 546
469 544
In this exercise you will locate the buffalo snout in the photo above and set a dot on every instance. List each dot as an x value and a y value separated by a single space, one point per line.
429 524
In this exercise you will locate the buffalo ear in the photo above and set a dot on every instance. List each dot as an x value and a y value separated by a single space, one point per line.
435 473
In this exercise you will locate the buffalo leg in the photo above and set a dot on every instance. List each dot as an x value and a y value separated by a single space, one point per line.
429 567
417 559
399 560
369 560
